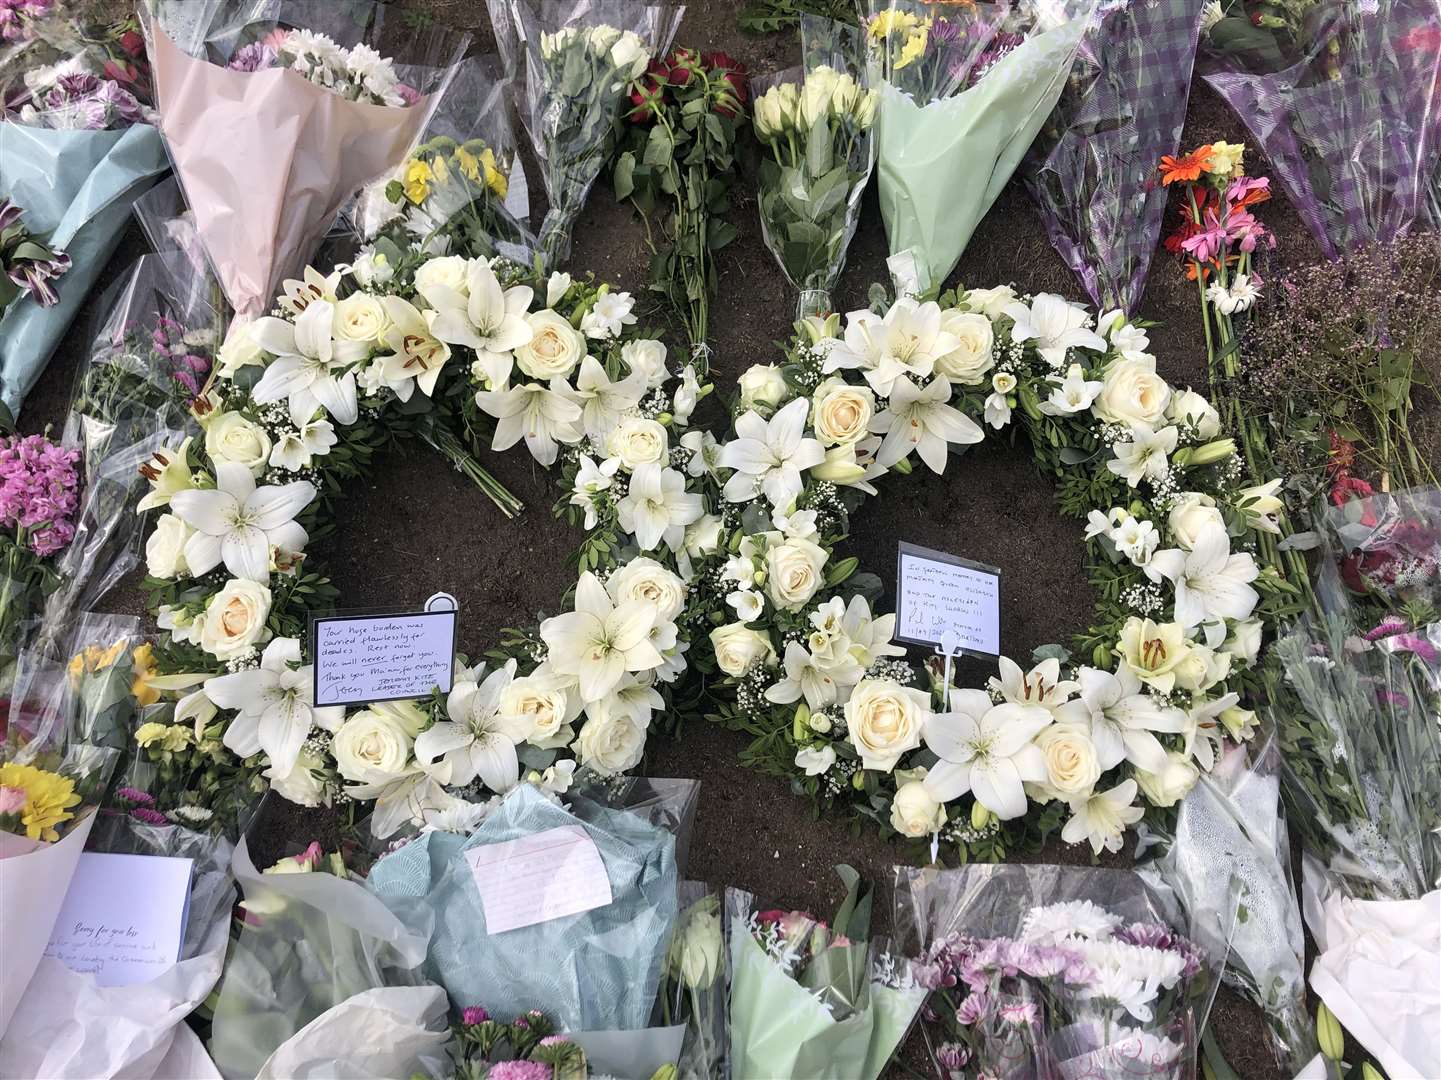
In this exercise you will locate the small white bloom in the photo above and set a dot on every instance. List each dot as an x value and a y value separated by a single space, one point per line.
1055 325
609 316
590 480
918 418
1146 455
556 286
1073 393
815 762
746 603
770 456
1102 818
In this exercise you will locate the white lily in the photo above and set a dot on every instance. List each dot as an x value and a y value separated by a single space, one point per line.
1102 817
1041 686
308 359
908 340
1204 730
602 402
657 507
490 320
415 796
478 739
815 762
600 641
1212 582
986 749
542 416
918 418
803 677
1073 393
1121 718
238 523
1055 325
168 472
1145 455
297 294
869 637
295 450
415 352
704 452
770 455
275 706
590 480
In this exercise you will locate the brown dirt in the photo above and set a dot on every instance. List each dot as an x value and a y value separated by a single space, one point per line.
415 527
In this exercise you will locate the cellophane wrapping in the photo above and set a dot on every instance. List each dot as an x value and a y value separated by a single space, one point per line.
1345 103
1092 169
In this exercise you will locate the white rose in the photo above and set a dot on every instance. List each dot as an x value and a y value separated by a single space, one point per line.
235 619
448 270
645 357
793 573
1192 513
969 363
554 350
1133 393
360 317
630 55
763 384
1072 767
302 785
737 647
371 743
696 951
638 441
238 351
165 550
1187 406
841 413
647 580
610 741
1169 786
230 437
990 302
885 720
815 100
1202 668
602 38
542 701
1244 642
914 812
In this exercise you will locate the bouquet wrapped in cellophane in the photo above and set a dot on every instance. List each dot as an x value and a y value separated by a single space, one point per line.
814 1000
1342 99
581 58
1051 971
815 126
77 147
275 118
1383 555
963 91
1091 169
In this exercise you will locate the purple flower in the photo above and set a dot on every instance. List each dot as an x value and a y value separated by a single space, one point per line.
149 816
973 1010
1152 935
554 1040
38 492
519 1070
1391 624
1020 1012
12 800
953 1056
135 796
256 56
472 1015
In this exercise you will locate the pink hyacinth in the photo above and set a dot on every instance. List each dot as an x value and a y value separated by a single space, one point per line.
519 1070
39 492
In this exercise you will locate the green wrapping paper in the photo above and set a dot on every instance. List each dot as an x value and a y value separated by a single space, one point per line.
942 165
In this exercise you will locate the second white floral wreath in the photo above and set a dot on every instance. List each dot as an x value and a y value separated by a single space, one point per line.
713 557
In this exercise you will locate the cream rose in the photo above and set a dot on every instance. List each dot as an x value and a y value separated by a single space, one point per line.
975 356
645 357
610 741
1133 393
914 812
1191 513
737 647
302 785
1187 406
448 271
1244 643
991 302
1169 786
1072 767
371 744
885 720
647 580
841 413
360 317
1201 668
763 385
542 702
793 572
165 549
239 350
232 438
235 619
638 441
554 350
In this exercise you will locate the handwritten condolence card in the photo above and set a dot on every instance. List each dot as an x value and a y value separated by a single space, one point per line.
365 658
942 598
123 919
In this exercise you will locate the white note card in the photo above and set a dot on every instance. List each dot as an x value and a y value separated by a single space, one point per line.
123 919
537 878
365 658
942 597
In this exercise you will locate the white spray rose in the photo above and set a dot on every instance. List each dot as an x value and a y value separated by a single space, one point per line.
637 441
554 350
449 271
1072 767
991 303
645 357
1192 513
231 437
647 580
1133 394
239 350
968 363
763 385
1187 406
1169 786
885 720
302 785
235 619
610 741
840 412
542 702
1244 642
914 812
737 647
165 549
360 317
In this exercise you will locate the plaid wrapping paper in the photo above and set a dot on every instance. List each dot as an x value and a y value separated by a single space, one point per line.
1353 138
1092 171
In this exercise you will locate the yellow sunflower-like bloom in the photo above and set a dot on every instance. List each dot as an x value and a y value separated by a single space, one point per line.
143 658
1226 159
417 181
891 21
915 46
48 798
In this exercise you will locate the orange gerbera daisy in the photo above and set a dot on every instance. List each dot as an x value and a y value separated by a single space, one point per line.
1189 167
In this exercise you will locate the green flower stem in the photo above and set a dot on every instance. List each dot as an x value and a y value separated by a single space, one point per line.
442 439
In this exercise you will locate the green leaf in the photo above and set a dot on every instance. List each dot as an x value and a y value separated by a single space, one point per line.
624 179
818 147
659 149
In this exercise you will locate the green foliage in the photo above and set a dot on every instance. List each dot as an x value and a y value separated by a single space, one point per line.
769 16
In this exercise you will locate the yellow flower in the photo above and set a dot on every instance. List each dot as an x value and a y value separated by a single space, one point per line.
496 180
440 169
1226 159
93 658
417 181
177 737
915 45
469 164
48 798
144 659
149 733
891 21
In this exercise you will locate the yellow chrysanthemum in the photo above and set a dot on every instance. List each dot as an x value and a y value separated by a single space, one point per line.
496 180
417 181
1226 159
177 737
915 46
48 798
144 659
891 21
149 733
93 658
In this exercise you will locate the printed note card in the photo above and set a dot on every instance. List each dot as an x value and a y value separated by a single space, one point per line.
944 598
537 878
123 919
365 658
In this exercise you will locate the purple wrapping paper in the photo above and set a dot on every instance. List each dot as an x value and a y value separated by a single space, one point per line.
1351 127
1092 171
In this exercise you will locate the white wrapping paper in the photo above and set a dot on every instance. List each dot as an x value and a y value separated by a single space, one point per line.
375 1035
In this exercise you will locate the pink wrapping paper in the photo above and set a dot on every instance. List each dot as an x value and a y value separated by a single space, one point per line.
266 159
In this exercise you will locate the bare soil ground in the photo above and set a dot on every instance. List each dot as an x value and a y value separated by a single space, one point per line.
414 527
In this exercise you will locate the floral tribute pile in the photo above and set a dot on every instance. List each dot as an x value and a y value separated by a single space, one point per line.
716 555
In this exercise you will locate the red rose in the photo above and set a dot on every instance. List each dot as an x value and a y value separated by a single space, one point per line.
132 42
648 94
681 66
731 92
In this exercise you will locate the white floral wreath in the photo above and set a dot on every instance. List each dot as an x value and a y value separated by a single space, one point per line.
689 541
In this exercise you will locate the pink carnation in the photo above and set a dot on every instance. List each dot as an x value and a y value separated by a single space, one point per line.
519 1070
